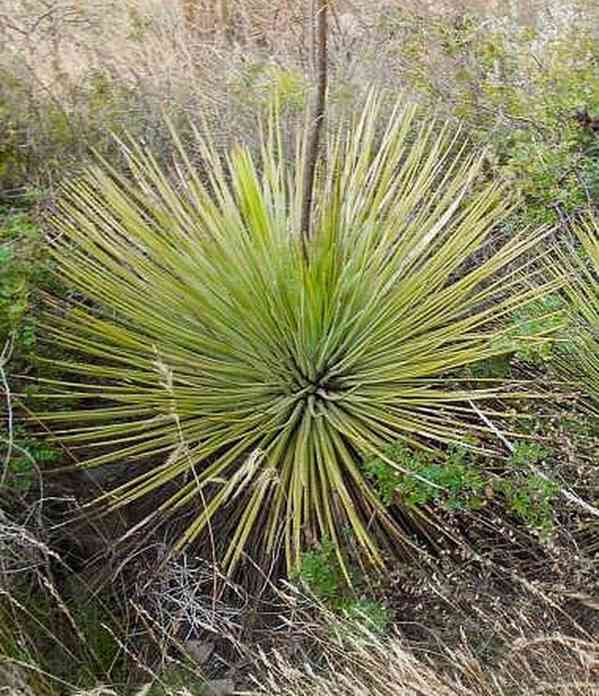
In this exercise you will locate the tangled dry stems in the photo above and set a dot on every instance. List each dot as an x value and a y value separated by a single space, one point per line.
309 650
73 72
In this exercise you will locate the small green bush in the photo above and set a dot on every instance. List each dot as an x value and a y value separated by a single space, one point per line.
25 275
322 574
23 265
320 571
420 478
519 88
372 615
463 479
536 328
531 498
527 453
29 455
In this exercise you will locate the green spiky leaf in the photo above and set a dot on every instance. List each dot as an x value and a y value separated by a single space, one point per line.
253 381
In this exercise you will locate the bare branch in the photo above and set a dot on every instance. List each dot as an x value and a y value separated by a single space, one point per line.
4 358
317 121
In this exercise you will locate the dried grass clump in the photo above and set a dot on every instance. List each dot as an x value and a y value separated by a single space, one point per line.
23 547
332 656
73 72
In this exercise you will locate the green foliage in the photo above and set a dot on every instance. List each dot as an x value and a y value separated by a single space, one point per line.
28 453
368 613
320 571
527 453
24 276
496 367
453 484
257 375
13 157
535 328
45 137
416 477
261 85
16 651
557 180
140 24
22 267
289 87
323 575
531 498
460 481
519 89
387 478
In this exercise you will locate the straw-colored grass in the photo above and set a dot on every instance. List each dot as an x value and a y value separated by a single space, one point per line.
71 72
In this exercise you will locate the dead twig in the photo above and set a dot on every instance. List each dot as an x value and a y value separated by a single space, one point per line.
4 359
317 122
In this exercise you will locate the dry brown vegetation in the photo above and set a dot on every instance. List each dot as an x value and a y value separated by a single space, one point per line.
74 71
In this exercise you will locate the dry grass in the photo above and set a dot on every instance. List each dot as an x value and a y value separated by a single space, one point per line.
72 72
350 661
179 43
526 643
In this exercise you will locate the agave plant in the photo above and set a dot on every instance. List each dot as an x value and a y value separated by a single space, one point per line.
253 377
580 359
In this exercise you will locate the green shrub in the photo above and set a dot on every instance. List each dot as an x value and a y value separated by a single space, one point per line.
454 484
531 498
529 494
372 615
49 135
28 454
323 575
21 266
320 571
417 478
519 89
535 328
527 453
24 277
256 375
463 480
532 335
260 84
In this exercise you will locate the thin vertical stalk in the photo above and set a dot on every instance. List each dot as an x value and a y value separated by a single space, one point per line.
317 122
